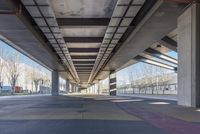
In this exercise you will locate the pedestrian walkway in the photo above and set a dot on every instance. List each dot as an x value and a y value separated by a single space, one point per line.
152 96
90 114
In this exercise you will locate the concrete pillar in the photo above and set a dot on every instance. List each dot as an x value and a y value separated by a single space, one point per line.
72 87
78 88
75 86
112 84
98 87
189 57
67 85
55 83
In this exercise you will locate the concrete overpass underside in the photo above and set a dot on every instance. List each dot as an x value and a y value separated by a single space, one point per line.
86 41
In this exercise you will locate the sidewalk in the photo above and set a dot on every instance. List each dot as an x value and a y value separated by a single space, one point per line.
150 96
22 96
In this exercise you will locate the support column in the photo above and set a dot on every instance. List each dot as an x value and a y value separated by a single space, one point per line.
75 88
98 87
72 87
79 88
67 85
55 83
189 57
112 84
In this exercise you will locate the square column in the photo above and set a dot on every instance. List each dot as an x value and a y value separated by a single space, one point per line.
112 84
67 85
98 87
70 87
189 57
73 87
55 83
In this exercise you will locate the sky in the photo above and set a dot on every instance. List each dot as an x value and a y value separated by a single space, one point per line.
173 54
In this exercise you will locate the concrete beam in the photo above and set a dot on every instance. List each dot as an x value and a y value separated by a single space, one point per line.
67 85
83 21
83 39
168 45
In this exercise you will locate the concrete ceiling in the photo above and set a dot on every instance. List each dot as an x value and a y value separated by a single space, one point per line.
88 22
83 8
83 31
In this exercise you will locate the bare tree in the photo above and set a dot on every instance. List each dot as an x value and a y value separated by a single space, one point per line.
2 65
131 79
36 83
27 77
45 78
36 78
163 78
149 76
139 82
146 78
13 69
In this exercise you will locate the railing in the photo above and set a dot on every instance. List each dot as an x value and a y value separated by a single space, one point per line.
157 89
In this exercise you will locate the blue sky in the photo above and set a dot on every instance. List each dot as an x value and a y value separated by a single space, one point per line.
173 54
23 58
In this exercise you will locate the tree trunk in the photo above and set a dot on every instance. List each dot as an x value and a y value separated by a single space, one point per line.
13 86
